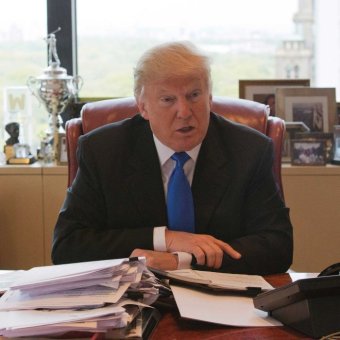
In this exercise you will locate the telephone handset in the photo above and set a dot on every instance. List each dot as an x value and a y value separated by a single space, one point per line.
333 269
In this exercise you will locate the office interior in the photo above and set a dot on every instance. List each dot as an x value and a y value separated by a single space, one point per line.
31 195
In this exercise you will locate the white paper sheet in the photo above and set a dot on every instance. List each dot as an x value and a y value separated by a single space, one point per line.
72 272
221 309
7 277
89 297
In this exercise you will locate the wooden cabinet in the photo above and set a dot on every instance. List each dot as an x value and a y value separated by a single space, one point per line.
31 197
313 195
54 191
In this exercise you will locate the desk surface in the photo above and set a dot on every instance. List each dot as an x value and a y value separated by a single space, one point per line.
172 326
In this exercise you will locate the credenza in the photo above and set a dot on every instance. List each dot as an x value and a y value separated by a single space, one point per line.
313 195
31 196
30 199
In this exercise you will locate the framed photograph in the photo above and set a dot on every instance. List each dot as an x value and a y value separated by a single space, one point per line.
263 90
62 150
314 106
308 152
315 136
292 128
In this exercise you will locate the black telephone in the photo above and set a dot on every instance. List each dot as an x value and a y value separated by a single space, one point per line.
333 269
312 305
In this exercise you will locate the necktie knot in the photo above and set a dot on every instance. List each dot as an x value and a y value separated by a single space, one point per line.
180 158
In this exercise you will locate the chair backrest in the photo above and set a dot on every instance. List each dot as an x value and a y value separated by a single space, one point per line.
253 114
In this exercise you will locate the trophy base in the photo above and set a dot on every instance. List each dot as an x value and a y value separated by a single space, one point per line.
20 161
9 151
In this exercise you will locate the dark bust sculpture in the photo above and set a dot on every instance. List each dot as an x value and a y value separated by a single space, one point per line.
13 130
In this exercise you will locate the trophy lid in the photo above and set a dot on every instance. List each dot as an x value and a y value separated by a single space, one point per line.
54 71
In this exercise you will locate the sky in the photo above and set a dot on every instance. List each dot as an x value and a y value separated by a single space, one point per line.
260 14
104 15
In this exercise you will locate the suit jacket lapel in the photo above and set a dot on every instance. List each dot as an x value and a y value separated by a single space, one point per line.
144 179
211 178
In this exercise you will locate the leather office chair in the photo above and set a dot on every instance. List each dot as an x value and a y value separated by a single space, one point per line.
243 111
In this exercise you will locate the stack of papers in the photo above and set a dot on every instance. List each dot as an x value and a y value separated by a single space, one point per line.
88 296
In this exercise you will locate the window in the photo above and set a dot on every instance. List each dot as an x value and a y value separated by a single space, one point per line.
244 41
111 36
23 54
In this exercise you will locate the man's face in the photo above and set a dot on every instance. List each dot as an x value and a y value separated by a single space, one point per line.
178 111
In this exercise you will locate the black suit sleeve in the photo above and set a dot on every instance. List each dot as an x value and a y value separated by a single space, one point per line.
267 246
266 239
84 231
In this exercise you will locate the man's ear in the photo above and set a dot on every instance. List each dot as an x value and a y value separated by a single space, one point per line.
142 108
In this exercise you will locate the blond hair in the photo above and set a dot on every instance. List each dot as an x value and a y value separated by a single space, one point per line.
169 60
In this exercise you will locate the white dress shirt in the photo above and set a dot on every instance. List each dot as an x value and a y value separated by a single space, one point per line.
167 166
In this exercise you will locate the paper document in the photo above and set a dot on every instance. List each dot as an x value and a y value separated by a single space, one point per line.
7 277
230 310
218 282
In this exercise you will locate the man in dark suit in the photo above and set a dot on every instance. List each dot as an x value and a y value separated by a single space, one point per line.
119 203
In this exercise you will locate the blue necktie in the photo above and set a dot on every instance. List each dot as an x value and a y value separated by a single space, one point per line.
179 198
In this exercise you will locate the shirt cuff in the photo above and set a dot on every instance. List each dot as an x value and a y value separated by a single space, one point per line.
159 243
184 260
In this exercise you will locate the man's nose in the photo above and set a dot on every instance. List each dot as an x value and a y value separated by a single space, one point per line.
184 110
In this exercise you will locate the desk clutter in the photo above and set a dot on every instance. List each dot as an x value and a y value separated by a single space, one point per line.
116 299
84 297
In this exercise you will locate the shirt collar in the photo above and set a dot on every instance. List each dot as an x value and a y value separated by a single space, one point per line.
164 152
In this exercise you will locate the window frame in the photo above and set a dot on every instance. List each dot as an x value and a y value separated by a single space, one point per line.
62 13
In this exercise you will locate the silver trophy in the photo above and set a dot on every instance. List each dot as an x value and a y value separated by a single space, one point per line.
54 88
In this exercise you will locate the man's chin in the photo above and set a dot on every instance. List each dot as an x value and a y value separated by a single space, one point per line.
185 145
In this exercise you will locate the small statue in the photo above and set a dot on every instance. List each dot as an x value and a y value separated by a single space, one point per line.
52 48
13 130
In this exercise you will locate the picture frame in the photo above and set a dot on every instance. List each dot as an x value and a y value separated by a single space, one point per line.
292 129
314 106
315 136
62 150
308 152
263 90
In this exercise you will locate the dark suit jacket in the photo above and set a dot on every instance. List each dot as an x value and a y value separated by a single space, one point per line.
117 197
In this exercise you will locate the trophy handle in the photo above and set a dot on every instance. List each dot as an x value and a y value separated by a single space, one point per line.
32 85
77 82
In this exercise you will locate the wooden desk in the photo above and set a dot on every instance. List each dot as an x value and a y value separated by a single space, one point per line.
172 326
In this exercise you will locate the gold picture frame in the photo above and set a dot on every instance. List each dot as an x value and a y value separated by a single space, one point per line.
62 150
263 90
314 106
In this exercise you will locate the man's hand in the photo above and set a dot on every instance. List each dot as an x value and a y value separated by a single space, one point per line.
157 259
207 249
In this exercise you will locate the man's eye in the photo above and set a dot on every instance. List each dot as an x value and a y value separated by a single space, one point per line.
195 95
167 99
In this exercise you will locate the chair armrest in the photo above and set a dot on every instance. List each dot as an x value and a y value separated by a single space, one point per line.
73 129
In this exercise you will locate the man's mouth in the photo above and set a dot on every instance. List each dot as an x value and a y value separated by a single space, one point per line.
185 129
